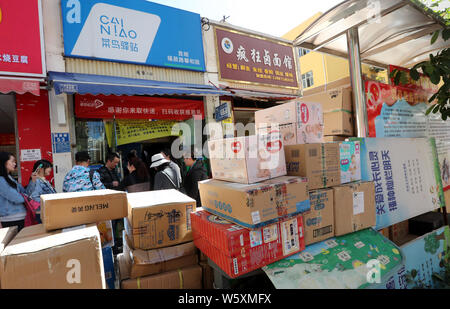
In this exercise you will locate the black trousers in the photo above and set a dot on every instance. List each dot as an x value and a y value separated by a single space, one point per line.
20 224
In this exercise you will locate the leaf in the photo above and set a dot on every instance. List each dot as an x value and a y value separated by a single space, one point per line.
414 74
429 109
436 108
397 78
435 77
444 117
403 78
446 34
435 36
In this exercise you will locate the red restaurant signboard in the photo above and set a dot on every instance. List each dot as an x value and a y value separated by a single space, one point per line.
249 59
135 107
22 38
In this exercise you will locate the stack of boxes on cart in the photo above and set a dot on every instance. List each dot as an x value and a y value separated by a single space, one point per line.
158 251
67 251
280 190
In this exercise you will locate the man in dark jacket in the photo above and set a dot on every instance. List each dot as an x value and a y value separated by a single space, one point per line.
196 173
108 174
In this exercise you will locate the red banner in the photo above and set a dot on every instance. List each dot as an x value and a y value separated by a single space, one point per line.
134 107
21 51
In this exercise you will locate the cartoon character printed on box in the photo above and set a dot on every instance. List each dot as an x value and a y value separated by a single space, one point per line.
311 122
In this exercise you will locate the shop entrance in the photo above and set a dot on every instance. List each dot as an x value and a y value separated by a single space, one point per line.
8 120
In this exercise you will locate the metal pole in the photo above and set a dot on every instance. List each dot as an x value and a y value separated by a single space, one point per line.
359 97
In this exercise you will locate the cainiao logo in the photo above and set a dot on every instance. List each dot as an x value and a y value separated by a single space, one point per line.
98 103
117 33
227 45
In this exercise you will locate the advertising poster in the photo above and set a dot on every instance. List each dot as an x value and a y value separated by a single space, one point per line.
343 262
134 32
399 111
405 174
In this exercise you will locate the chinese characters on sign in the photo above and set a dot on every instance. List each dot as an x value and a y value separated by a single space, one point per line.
244 58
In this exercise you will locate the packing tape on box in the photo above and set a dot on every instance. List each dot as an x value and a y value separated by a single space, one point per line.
339 110
180 274
139 283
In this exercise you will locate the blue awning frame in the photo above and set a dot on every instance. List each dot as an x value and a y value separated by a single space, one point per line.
78 83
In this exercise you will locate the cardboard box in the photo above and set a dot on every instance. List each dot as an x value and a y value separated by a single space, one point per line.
310 123
288 132
6 235
385 232
354 207
148 262
350 161
256 205
62 210
108 265
159 219
184 278
400 231
63 259
338 123
247 159
319 221
237 250
318 162
207 275
106 233
338 99
334 138
280 114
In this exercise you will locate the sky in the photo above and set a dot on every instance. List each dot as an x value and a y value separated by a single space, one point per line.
274 17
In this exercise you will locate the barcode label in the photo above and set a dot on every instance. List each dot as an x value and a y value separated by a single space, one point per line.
313 152
188 217
322 231
295 153
289 236
235 266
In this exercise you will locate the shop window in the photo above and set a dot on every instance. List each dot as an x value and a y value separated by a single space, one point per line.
307 80
91 137
303 51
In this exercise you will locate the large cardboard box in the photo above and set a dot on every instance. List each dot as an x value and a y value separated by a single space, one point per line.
350 161
237 250
333 100
319 221
288 132
354 207
247 159
184 278
148 262
334 138
159 219
62 210
318 162
400 231
62 259
256 205
6 235
280 114
338 123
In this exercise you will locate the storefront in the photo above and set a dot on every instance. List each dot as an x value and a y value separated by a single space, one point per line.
125 84
24 105
258 71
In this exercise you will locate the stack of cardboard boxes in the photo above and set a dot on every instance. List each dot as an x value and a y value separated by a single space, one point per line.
65 251
251 212
158 251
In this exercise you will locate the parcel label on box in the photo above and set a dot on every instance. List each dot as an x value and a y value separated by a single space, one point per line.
62 210
36 259
405 172
255 205
159 218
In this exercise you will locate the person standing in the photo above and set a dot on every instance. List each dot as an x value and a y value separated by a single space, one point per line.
40 185
80 177
165 177
197 172
12 208
108 173
138 178
173 165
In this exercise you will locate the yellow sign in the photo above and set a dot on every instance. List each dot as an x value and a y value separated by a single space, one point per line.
138 130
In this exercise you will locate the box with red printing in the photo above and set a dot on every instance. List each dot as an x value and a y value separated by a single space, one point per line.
237 250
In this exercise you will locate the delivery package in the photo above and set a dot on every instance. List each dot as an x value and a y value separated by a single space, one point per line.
334 138
339 99
318 162
310 124
108 266
338 123
247 159
6 235
159 219
277 115
354 207
237 250
68 209
350 161
319 221
255 205
62 259
288 132
149 262
183 278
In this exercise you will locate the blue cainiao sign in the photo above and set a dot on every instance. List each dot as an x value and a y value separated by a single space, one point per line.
134 31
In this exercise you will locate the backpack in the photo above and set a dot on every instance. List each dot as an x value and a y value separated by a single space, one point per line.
91 176
31 207
179 187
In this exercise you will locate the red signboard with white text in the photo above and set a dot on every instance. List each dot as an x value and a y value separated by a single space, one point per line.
134 107
22 38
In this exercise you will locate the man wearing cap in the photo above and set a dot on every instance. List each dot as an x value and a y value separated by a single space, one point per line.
165 177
